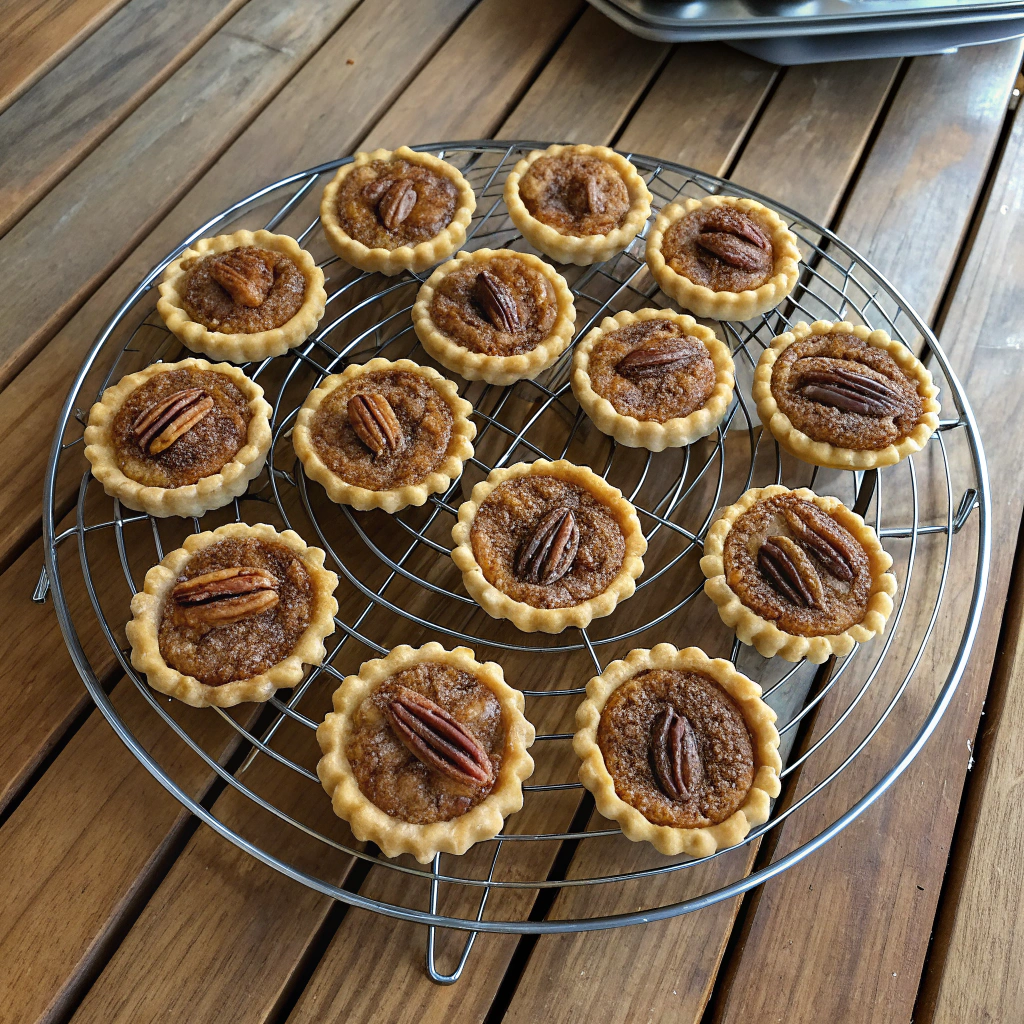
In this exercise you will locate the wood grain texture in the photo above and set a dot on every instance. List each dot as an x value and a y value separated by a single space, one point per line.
38 33
145 165
973 969
64 116
879 882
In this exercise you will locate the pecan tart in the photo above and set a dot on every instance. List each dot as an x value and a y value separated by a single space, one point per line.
179 439
679 749
242 297
797 574
548 545
723 257
577 204
842 396
232 616
393 211
653 379
495 315
384 434
426 751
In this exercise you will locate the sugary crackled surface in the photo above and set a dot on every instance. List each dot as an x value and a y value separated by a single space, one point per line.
393 778
209 304
823 422
436 202
555 191
509 515
456 311
844 602
200 452
424 415
239 650
676 391
682 253
723 741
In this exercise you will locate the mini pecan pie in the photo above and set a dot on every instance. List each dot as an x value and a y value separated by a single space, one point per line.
242 297
797 574
722 257
653 379
837 395
679 749
577 204
548 545
384 434
179 439
232 616
425 751
495 315
397 211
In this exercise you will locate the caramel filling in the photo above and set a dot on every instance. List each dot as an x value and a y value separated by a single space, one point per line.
387 204
395 779
217 652
508 521
724 760
575 194
199 452
210 303
892 412
423 417
658 392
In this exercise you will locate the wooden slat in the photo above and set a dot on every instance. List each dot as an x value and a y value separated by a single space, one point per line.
973 969
145 165
61 118
861 909
37 33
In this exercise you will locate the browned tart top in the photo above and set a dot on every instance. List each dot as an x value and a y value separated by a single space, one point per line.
652 370
427 744
846 392
677 748
383 429
242 291
721 248
386 204
238 608
179 427
547 542
502 309
576 194
794 564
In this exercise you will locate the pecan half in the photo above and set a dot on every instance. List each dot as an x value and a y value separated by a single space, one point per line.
397 203
660 355
734 238
595 197
245 275
226 595
437 739
375 423
374 191
549 551
845 389
497 301
822 535
159 426
675 757
791 572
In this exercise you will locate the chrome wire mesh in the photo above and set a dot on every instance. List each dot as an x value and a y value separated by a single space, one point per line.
400 587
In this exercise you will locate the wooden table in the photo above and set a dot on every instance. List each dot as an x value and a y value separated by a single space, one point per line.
124 124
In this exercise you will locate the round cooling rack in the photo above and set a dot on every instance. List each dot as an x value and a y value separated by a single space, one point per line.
556 860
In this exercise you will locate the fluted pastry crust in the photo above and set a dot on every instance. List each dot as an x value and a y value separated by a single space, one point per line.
147 608
760 719
208 493
394 836
243 348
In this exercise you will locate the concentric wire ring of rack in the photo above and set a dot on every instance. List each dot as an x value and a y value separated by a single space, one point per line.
400 586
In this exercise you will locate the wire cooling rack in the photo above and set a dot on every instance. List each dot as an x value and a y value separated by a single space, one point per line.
399 586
